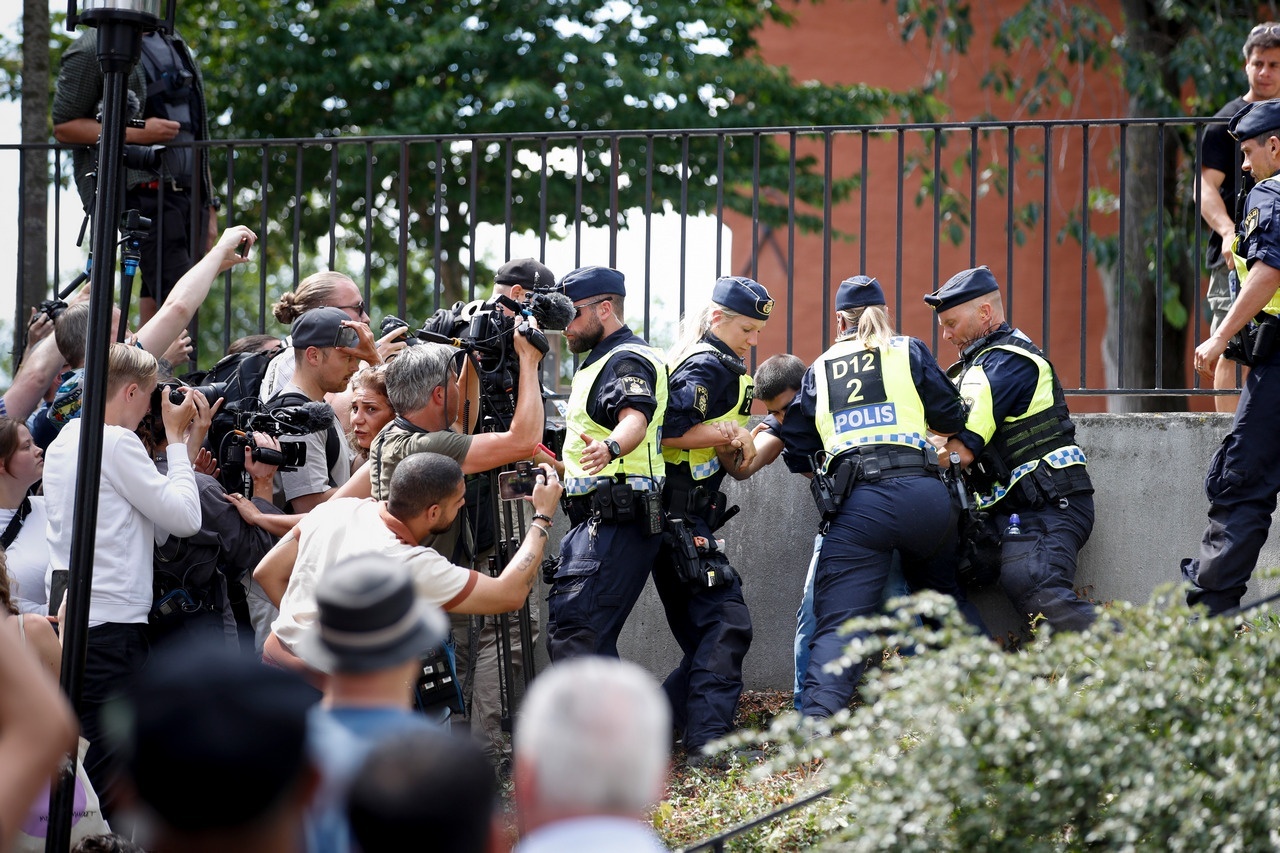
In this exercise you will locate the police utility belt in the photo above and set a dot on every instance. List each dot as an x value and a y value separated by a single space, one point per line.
864 465
615 501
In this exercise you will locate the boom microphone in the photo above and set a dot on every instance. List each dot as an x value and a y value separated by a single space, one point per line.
552 310
306 418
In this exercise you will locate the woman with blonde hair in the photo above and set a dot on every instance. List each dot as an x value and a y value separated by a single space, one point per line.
862 416
370 411
704 437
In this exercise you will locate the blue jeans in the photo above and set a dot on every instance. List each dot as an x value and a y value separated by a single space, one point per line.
894 587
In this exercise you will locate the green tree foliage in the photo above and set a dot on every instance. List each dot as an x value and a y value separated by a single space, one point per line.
472 77
1152 730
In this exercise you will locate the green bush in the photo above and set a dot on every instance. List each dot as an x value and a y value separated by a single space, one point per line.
1154 730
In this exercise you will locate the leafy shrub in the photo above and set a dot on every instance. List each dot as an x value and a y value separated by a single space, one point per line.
1154 730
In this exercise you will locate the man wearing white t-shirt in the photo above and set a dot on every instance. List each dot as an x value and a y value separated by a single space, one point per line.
427 491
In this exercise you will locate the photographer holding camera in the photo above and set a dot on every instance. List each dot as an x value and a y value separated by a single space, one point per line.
169 92
138 506
324 361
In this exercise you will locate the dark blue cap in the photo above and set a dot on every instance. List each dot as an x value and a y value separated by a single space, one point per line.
586 282
743 296
858 292
961 287
1254 120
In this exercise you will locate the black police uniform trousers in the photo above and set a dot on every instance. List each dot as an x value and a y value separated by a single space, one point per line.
166 248
1242 483
1038 566
603 569
713 629
912 515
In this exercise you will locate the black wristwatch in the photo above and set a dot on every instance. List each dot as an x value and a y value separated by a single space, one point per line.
615 449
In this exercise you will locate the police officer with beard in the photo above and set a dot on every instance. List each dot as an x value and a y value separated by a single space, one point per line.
705 437
1019 447
863 413
613 471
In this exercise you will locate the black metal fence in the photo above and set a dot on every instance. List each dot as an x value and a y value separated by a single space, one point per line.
1092 227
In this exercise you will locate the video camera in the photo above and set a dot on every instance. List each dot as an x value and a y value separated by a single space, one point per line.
485 330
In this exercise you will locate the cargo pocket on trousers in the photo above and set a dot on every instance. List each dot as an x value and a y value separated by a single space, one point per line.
1023 568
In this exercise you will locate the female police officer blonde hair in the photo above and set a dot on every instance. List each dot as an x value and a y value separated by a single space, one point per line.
862 415
710 395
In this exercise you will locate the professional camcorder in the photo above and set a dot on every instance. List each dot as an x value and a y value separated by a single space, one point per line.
485 330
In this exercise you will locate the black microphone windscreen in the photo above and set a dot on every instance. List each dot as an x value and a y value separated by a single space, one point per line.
552 310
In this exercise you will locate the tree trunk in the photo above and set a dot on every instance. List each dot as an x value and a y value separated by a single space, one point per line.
34 204
1154 351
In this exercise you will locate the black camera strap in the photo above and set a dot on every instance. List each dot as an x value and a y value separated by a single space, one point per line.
15 524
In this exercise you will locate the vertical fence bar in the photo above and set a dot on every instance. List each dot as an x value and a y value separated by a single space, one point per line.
368 223
973 197
473 217
1011 152
791 250
1084 256
937 223
1045 241
542 204
1158 285
648 227
507 195
684 220
719 203
1197 252
262 237
333 205
755 207
898 214
297 213
402 261
577 204
614 177
226 277
437 214
828 149
862 205
1120 277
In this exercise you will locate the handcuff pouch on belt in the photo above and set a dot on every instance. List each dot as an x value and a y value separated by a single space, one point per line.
700 568
1254 343
618 502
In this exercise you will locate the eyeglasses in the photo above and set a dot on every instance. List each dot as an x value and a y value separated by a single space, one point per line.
1269 29
359 308
577 309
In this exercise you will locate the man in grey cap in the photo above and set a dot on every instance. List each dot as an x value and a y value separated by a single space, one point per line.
1244 476
1018 446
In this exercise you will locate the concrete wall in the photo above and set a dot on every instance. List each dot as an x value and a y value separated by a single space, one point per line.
1148 473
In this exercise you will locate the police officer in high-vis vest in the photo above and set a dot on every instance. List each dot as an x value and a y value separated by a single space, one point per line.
1019 449
613 471
860 423
1244 476
705 437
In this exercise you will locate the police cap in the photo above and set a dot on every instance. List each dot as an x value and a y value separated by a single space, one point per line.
1254 120
962 287
743 296
586 282
858 292
526 272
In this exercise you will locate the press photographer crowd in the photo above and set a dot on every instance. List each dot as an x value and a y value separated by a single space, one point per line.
315 593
